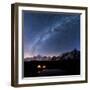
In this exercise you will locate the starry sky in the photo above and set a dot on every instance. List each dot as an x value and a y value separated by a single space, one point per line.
49 33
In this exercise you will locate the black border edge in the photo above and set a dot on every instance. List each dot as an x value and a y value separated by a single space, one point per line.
12 44
50 6
86 43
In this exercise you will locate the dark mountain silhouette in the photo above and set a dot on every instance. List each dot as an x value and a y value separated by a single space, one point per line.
73 55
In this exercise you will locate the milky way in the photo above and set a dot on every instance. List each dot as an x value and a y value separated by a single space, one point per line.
50 33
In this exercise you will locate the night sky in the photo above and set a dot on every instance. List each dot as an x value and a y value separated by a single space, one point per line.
50 33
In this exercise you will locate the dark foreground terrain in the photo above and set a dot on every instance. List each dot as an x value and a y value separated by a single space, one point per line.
67 64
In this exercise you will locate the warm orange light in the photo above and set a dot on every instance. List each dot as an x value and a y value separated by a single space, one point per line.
39 66
44 66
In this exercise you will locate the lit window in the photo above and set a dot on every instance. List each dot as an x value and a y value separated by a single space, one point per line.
39 66
44 66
